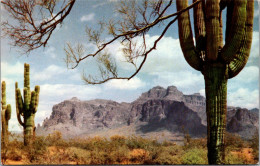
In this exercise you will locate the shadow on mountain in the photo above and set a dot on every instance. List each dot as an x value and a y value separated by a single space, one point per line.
174 117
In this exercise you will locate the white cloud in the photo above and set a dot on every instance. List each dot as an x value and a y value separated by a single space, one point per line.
132 84
187 81
48 73
256 11
67 91
88 17
8 70
99 4
244 98
167 56
55 72
248 74
202 92
255 45
50 51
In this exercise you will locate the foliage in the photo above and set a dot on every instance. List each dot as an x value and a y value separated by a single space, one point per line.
233 159
53 149
234 141
254 144
195 156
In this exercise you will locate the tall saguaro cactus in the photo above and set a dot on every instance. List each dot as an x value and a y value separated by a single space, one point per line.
5 115
26 107
216 62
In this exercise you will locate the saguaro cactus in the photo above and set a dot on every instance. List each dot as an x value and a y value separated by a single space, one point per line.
26 107
216 62
5 115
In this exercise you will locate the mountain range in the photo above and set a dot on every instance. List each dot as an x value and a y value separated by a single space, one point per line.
162 114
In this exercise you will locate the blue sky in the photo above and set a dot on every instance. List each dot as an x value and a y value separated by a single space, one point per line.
166 66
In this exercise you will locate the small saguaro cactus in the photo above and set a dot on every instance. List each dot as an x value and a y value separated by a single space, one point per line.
5 115
26 107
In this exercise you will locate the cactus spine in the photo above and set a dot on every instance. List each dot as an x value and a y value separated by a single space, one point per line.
5 115
217 62
26 107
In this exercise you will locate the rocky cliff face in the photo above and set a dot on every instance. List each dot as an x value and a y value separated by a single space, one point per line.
242 122
157 110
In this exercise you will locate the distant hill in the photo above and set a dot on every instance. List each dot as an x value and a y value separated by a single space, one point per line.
159 113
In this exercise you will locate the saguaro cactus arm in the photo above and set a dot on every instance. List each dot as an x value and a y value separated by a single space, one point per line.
212 29
8 112
37 94
3 86
5 115
27 76
19 105
186 37
242 55
236 30
199 25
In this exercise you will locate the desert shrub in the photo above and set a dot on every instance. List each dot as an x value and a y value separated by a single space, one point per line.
78 142
198 143
121 154
168 143
118 140
167 159
80 156
234 159
15 154
190 143
11 151
55 139
166 155
195 156
135 142
97 143
36 150
234 141
100 157
4 152
254 144
139 155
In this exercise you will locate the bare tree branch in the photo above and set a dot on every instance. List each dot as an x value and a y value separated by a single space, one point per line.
134 32
33 29
89 81
126 39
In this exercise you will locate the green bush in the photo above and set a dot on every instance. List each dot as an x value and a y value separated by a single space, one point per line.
234 159
195 156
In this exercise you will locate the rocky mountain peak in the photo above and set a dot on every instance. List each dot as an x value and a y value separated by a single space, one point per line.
173 93
158 92
74 99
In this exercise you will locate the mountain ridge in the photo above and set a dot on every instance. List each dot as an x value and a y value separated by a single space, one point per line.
156 111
